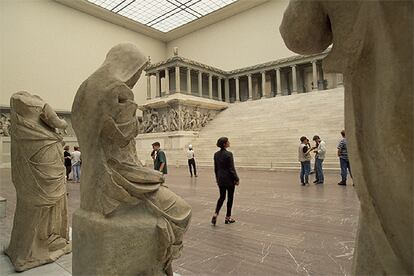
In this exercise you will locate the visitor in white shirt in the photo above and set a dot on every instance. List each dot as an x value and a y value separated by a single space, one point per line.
319 157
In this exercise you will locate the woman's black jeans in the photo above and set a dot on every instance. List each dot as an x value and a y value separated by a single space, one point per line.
191 163
230 193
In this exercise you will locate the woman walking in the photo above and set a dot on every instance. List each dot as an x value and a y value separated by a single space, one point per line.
226 178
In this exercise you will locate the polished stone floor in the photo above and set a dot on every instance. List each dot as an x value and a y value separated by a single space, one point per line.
282 228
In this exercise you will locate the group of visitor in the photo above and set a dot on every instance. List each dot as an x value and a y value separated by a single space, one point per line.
304 153
227 178
305 150
73 163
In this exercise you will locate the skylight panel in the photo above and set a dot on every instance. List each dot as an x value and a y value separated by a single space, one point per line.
162 15
174 21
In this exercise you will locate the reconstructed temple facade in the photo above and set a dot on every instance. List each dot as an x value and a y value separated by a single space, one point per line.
188 94
292 75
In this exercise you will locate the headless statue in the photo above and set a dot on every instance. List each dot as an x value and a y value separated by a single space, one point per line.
40 227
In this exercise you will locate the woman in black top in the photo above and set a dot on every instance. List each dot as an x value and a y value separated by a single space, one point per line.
226 178
68 161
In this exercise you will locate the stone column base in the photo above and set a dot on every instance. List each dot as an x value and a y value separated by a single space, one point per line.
124 243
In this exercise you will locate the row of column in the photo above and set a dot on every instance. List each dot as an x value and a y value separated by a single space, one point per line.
278 82
219 88
178 83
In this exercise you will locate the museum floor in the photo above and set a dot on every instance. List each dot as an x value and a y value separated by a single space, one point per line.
282 228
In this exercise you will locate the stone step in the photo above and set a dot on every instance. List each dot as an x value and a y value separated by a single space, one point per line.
265 133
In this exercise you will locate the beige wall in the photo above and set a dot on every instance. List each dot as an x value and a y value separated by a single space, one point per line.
242 40
49 49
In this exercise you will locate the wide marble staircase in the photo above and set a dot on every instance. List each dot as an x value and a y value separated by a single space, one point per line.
264 134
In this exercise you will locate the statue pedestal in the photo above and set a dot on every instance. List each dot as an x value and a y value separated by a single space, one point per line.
124 243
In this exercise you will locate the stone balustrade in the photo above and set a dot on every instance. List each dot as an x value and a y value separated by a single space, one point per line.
297 74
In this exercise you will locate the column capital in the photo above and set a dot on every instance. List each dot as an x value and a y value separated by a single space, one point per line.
277 69
293 65
262 72
236 77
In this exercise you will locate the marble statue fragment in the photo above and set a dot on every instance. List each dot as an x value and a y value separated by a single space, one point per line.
40 227
5 125
373 48
129 221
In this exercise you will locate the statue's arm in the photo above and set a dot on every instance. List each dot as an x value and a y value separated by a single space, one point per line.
49 117
110 131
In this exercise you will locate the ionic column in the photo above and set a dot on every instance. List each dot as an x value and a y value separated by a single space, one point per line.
294 80
315 76
226 90
237 89
278 83
148 87
167 81
210 86
250 86
219 89
264 84
157 85
189 80
177 79
200 84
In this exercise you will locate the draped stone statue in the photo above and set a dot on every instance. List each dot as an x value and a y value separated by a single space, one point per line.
373 48
40 226
129 222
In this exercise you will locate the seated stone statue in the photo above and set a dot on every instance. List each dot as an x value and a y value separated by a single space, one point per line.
129 222
40 227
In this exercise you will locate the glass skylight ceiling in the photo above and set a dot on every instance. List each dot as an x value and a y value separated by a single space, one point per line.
163 15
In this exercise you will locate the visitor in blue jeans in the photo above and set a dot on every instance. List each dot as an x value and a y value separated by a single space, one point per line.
319 157
304 159
343 159
76 164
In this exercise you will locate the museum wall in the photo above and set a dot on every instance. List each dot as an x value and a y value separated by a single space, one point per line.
49 49
245 39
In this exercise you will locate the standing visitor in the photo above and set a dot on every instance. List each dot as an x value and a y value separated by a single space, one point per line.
160 160
191 161
226 178
319 157
76 164
343 159
68 161
305 160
